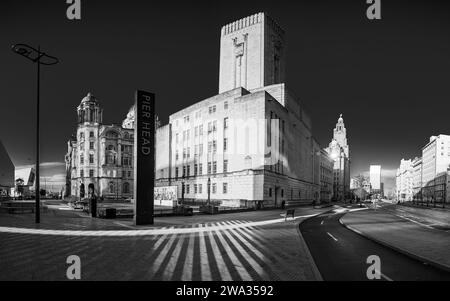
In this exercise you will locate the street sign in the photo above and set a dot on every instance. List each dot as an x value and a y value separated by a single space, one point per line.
144 158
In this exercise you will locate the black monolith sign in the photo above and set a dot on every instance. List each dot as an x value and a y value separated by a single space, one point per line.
144 158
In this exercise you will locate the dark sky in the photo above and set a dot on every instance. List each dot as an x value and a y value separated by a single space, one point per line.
390 78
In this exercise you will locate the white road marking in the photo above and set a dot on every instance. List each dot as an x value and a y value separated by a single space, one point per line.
330 235
415 222
146 232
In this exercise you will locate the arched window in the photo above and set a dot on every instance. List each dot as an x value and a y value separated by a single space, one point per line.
111 187
112 134
126 188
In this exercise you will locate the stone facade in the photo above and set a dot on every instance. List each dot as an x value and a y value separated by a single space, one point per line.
340 153
100 154
252 53
253 141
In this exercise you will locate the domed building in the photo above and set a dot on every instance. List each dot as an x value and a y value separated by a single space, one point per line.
100 154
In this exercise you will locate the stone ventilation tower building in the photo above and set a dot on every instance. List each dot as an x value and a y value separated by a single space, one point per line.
340 153
251 54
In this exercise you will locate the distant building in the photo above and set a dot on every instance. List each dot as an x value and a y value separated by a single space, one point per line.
326 177
435 169
375 180
340 153
24 182
417 179
6 172
404 181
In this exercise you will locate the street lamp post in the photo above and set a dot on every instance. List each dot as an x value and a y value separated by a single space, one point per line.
209 192
40 58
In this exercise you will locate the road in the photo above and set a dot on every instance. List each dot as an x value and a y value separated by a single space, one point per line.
340 254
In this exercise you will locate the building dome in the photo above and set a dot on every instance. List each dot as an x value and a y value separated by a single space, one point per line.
89 98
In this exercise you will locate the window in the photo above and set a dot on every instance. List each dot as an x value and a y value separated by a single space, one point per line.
212 109
200 169
91 159
214 126
81 159
282 193
195 169
225 105
214 145
225 123
82 173
225 166
209 127
214 167
184 171
200 130
188 188
188 171
199 188
91 134
91 173
186 119
126 161
270 192
225 188
126 188
209 168
195 188
176 138
188 152
176 172
225 144
124 174
184 153
214 188
91 145
196 131
177 155
111 187
81 136
129 174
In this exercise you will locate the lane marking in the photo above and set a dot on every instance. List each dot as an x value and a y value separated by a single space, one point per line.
330 235
416 222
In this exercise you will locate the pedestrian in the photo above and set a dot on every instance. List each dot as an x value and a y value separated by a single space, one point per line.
92 200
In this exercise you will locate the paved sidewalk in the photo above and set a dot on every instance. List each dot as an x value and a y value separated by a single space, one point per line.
242 246
404 235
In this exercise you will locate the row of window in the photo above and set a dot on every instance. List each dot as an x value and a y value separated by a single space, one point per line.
198 169
198 188
198 149
110 159
110 134
198 130
125 174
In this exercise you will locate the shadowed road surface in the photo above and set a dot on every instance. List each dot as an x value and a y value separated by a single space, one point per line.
340 254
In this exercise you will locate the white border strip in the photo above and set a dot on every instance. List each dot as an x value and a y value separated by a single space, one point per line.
146 232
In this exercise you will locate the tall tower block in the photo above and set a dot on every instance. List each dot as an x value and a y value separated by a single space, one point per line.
252 53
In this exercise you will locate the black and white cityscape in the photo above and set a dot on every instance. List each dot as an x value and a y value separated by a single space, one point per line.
248 141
